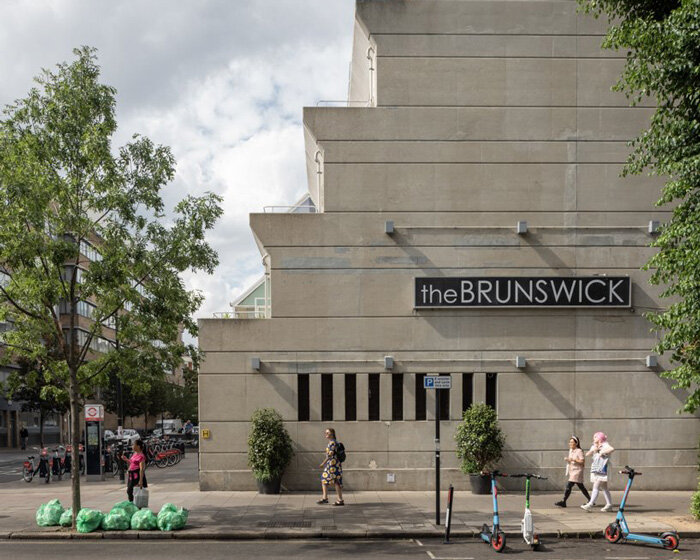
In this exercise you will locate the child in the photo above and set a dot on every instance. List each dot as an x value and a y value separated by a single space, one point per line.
601 451
574 469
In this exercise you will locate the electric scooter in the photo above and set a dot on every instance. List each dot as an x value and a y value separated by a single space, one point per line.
494 536
527 526
618 530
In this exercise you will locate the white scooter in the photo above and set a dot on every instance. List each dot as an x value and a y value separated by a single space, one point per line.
527 526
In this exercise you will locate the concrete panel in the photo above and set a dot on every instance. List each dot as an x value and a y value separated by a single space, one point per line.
536 396
314 397
538 46
490 82
479 17
338 396
224 461
385 400
409 396
483 187
362 392
359 87
456 397
595 79
452 229
434 331
225 437
476 123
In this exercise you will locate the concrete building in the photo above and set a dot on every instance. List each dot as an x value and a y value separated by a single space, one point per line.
477 162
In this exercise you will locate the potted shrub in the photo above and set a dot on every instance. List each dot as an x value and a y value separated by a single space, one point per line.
269 449
479 444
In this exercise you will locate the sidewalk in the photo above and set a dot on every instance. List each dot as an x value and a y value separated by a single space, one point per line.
248 515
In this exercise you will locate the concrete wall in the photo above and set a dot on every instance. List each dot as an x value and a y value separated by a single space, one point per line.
487 113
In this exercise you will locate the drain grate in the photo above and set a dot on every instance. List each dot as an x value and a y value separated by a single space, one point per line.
281 524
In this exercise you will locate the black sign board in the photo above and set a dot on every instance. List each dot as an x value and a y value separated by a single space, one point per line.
524 291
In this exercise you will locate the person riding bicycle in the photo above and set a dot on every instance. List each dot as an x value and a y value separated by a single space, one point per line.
137 469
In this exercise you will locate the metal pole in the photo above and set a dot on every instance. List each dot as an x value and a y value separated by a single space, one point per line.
448 515
437 456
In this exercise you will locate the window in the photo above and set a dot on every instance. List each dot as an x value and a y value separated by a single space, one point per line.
420 397
467 390
373 396
97 344
491 382
350 397
88 310
4 278
327 397
303 397
68 274
88 250
444 396
397 396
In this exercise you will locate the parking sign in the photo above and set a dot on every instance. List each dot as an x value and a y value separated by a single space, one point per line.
437 382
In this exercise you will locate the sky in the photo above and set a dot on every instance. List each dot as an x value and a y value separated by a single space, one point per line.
223 83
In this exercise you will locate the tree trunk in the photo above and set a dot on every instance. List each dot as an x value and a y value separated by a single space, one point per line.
75 441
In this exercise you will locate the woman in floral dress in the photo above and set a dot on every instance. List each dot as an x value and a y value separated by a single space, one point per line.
332 471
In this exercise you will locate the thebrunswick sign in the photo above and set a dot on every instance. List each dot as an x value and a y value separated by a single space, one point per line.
594 291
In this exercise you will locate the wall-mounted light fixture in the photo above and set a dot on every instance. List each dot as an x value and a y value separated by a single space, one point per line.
389 227
388 362
255 363
521 227
653 227
652 361
520 362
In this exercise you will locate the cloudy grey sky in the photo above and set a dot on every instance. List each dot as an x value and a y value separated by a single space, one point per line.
221 82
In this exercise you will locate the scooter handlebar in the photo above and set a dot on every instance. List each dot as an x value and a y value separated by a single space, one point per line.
629 470
528 475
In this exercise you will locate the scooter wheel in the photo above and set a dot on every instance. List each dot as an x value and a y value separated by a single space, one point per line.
498 541
671 540
613 532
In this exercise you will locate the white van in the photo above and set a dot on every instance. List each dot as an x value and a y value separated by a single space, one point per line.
170 426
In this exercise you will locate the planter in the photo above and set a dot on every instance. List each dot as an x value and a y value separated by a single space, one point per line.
270 487
480 484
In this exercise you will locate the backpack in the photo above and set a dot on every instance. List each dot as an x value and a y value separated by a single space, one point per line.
340 452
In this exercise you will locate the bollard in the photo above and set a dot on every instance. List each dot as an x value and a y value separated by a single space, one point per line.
448 516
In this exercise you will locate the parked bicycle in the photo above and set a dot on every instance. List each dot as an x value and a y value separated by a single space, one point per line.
44 464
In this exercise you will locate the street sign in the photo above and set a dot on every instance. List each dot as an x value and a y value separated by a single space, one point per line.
437 382
94 412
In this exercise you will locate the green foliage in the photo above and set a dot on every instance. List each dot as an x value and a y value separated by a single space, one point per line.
269 445
479 439
82 222
695 504
662 39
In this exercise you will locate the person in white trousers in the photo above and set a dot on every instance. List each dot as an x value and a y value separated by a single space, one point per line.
601 451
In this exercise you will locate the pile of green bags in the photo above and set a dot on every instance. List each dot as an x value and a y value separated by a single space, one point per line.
49 514
171 518
144 520
123 516
88 520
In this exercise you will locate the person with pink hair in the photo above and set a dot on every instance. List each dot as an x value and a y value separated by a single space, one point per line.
601 451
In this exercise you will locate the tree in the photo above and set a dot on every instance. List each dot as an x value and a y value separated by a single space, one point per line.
663 63
84 232
29 386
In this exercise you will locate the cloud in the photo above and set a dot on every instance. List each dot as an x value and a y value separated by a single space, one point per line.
223 83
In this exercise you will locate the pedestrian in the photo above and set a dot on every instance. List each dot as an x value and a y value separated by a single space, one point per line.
601 451
332 470
574 470
137 469
23 436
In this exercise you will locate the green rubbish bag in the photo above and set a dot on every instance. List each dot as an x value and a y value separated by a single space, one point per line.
171 518
49 515
66 518
144 520
116 520
88 520
127 506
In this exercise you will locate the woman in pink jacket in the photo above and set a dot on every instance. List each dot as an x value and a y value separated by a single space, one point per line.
574 470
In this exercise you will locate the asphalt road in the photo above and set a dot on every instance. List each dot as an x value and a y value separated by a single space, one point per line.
338 550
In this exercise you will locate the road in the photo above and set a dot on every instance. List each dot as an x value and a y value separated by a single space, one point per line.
338 550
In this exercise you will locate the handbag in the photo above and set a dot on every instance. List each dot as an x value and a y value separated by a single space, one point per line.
141 497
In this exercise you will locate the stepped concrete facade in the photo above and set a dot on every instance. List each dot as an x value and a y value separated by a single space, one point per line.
481 141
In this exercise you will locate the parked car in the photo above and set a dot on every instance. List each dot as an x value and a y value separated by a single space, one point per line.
169 426
109 434
130 435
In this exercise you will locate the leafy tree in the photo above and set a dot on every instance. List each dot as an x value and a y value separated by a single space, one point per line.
81 223
662 38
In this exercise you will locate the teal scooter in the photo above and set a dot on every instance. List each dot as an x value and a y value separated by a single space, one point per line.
527 525
494 536
618 529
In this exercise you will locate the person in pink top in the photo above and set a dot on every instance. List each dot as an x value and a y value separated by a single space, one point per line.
574 469
137 469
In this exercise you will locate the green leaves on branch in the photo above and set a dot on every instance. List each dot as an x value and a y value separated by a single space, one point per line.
479 439
662 40
269 445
